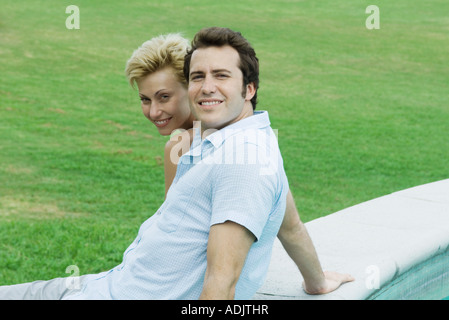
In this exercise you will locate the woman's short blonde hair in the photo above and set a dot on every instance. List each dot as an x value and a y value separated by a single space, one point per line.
163 51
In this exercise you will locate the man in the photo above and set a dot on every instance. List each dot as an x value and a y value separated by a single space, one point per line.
248 205
212 69
213 235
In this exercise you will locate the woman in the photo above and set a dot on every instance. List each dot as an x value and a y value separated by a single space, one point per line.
157 69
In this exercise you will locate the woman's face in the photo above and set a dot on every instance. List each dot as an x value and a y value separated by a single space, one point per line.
164 101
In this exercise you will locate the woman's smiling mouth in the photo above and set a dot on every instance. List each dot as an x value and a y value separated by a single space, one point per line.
161 123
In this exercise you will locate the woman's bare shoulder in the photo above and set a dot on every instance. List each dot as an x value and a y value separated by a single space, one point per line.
180 141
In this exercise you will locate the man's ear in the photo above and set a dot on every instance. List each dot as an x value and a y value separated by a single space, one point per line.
250 91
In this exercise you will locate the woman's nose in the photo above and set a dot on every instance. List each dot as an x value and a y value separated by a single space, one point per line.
155 111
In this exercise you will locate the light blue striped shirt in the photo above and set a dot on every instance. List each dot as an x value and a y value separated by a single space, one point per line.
234 174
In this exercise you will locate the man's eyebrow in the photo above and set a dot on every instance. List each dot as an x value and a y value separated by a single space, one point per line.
196 72
221 70
213 71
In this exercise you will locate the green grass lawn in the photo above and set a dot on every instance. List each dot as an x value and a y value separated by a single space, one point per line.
360 113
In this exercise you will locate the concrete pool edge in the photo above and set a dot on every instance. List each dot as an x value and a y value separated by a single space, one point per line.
375 241
428 280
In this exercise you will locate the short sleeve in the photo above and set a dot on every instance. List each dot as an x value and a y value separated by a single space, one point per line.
244 195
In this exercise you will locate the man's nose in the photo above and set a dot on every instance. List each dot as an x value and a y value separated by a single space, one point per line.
209 85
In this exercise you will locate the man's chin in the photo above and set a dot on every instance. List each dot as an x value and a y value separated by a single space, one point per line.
209 126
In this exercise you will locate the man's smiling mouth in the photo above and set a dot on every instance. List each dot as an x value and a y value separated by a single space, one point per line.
210 103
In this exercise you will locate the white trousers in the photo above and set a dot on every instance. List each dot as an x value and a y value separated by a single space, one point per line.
55 289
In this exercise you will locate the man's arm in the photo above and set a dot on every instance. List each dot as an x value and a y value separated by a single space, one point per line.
227 248
296 241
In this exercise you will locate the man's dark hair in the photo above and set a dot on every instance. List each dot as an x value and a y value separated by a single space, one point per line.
218 37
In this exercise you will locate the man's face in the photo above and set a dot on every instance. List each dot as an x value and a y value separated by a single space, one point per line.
216 93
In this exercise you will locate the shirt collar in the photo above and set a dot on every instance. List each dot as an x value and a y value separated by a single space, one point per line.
258 120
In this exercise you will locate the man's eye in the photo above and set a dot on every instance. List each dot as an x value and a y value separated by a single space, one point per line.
196 78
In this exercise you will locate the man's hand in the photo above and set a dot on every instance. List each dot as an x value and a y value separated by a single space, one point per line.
332 280
298 244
